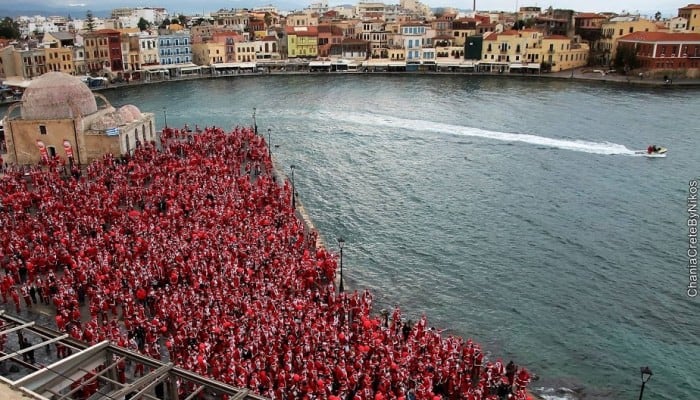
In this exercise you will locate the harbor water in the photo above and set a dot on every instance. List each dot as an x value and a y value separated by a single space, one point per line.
511 211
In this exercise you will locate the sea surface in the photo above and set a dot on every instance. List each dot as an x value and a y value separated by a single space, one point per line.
511 211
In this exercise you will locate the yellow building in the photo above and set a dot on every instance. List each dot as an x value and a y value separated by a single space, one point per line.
208 53
59 51
563 53
617 27
691 13
302 41
59 116
244 52
60 60
512 48
302 19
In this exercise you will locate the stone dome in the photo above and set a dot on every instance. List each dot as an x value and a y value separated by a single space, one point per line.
135 112
132 111
56 95
126 116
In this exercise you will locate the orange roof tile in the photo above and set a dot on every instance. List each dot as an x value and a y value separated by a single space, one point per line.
661 37
298 31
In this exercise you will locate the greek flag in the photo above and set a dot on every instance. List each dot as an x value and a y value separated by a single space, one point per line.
112 131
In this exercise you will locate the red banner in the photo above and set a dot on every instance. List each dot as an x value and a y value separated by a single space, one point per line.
42 150
68 148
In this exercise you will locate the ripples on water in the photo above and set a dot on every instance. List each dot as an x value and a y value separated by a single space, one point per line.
511 211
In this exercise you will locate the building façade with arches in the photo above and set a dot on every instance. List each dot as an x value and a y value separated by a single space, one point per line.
60 117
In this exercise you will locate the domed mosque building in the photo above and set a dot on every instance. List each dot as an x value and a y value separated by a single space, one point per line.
59 116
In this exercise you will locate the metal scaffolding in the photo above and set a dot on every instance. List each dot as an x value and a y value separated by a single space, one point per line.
94 370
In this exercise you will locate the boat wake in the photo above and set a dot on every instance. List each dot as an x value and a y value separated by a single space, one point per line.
429 126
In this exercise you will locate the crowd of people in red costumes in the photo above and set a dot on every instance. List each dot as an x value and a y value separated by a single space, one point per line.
193 253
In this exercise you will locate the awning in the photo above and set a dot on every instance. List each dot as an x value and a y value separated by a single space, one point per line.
190 69
152 68
16 81
319 64
234 65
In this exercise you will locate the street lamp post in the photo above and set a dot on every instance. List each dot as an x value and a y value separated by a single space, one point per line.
269 144
165 116
646 375
255 123
341 242
294 189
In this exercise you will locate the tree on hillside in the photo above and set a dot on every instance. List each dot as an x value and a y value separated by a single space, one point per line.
89 21
657 16
165 23
143 24
9 29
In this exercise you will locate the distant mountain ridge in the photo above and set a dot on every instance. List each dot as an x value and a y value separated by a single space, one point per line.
17 10
30 8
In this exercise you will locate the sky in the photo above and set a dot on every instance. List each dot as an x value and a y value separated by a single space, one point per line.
645 7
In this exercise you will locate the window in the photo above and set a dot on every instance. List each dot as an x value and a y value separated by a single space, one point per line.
42 129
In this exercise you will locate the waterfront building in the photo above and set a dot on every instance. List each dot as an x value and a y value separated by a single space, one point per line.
353 49
175 52
59 116
267 48
245 52
462 28
79 65
60 59
301 19
520 49
302 41
25 63
328 35
448 55
443 25
103 51
141 51
588 26
374 32
691 13
258 24
416 39
211 52
617 27
666 51
563 53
